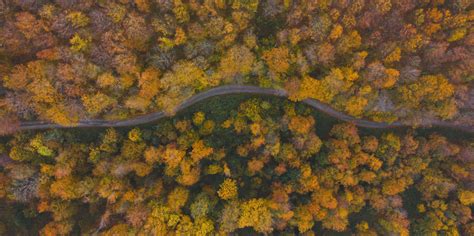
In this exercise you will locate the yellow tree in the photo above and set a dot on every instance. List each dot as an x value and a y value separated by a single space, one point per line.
180 83
228 189
61 115
149 83
301 124
97 103
172 156
200 151
256 213
238 60
466 197
303 219
430 90
355 106
277 59
177 198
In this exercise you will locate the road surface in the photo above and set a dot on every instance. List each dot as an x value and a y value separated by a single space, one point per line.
238 89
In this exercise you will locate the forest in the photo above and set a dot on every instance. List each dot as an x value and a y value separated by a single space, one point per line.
401 60
253 165
237 163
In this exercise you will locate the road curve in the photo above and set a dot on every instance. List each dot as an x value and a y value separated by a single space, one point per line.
238 89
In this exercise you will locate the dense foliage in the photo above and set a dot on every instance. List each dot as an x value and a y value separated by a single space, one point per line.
65 60
263 167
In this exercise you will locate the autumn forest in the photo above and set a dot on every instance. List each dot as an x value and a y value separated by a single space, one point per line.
236 163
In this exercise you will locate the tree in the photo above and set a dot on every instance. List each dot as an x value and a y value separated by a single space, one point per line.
300 124
391 78
66 188
106 80
348 42
200 206
237 61
135 135
229 219
393 56
435 184
97 103
137 32
338 80
180 10
347 132
200 151
143 5
303 219
60 114
177 198
324 198
78 19
181 83
355 106
172 156
430 89
466 197
190 173
199 118
203 226
80 43
364 229
25 189
28 25
255 213
228 189
395 186
336 32
149 83
337 219
277 59
136 215
57 228
307 89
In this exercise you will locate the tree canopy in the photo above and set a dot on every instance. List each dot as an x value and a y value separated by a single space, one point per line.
406 60
263 166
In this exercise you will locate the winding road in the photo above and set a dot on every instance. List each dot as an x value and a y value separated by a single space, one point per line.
238 89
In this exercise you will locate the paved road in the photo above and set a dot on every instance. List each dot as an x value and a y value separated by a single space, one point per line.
238 89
